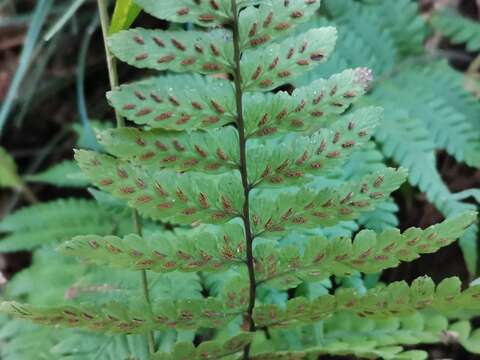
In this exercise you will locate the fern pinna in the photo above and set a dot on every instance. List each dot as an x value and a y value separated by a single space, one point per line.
251 182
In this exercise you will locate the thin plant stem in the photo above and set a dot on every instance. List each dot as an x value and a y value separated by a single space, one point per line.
144 278
111 60
113 77
244 174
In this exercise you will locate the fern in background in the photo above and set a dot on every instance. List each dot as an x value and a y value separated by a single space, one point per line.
457 28
251 201
427 105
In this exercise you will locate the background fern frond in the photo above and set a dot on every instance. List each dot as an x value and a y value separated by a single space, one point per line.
52 222
457 28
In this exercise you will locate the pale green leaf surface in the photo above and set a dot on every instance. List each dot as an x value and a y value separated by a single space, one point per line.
267 68
211 151
51 222
273 19
166 195
200 12
214 349
472 343
287 266
211 249
397 299
308 109
177 102
134 317
64 174
273 213
179 51
285 160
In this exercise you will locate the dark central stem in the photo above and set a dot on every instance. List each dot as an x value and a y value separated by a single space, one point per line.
243 171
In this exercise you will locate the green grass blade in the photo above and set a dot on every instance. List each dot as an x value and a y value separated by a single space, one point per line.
41 11
80 85
125 13
71 10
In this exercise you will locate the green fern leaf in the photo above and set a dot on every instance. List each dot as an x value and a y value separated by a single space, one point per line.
286 267
450 130
26 341
308 108
216 349
52 222
273 214
408 142
402 20
64 174
176 103
200 12
395 299
212 151
459 29
345 333
212 249
283 160
81 344
166 195
362 41
362 350
179 51
134 318
273 19
267 68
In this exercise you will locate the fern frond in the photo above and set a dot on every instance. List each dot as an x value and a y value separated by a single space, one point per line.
205 251
64 174
52 222
179 51
203 13
26 341
277 64
457 28
273 214
176 102
47 268
402 19
77 345
285 160
136 317
384 216
362 41
308 109
211 151
396 299
166 195
273 19
408 142
216 349
416 90
345 333
262 194
286 267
